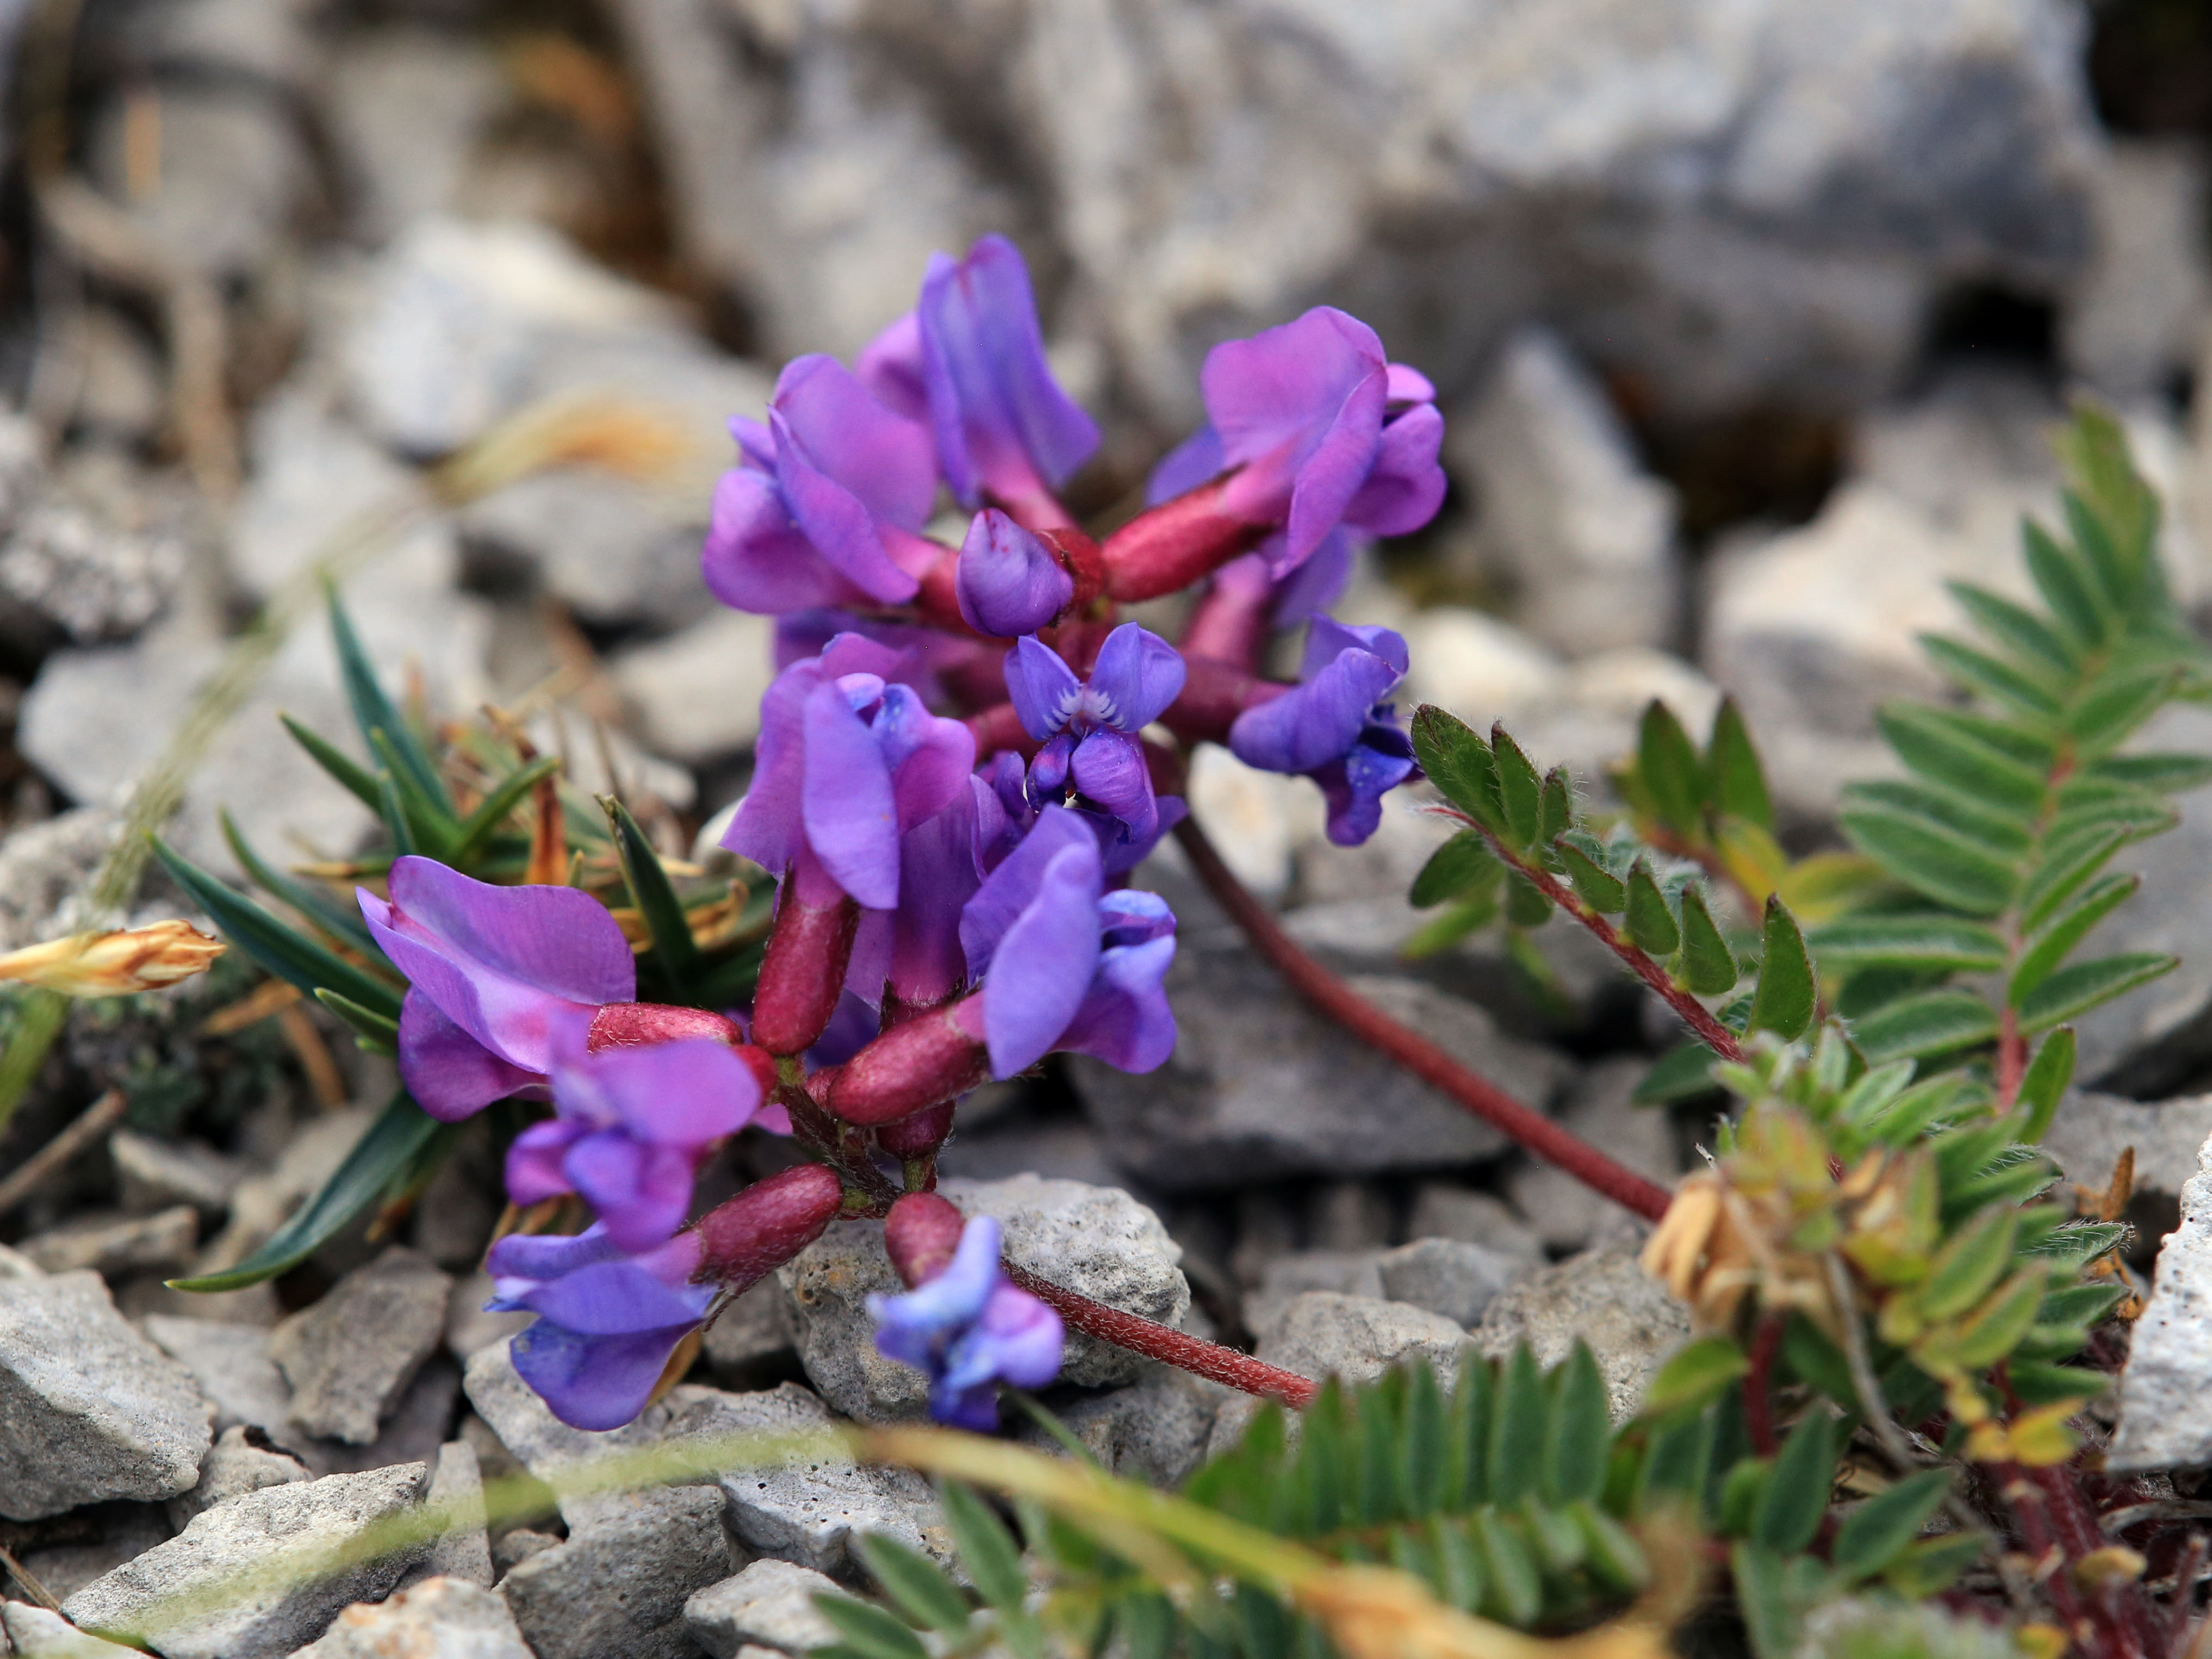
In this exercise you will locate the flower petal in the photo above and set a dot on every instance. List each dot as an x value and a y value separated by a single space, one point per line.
1126 1019
1313 724
594 1382
1108 767
450 1074
1406 486
1010 887
1043 687
1140 673
1196 461
1042 966
757 558
1008 583
847 800
880 458
534 1172
559 940
890 368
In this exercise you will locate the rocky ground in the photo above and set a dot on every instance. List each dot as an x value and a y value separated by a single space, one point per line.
1751 323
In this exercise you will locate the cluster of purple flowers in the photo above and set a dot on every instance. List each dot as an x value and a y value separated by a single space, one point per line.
952 781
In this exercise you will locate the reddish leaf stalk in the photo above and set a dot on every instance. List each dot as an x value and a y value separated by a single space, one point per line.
1758 1387
1160 1342
1530 1129
1693 1013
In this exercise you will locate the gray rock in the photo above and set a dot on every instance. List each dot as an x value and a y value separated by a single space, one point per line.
260 1203
13 1264
155 1174
1600 1109
2132 320
1287 1277
1096 1240
1154 1430
243 1460
462 1552
244 40
1259 1087
695 696
235 1585
1327 1334
620 1585
43 866
71 570
517 1546
1448 1277
38 1634
109 1243
614 551
2090 1132
771 1603
126 1532
411 1433
2165 1392
1444 1210
408 107
1350 1215
1603 1298
1585 535
88 1408
1057 1152
351 1355
809 1512
232 174
751 1334
435 1619
231 1364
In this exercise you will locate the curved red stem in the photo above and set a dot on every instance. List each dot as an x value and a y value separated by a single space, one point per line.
1530 1129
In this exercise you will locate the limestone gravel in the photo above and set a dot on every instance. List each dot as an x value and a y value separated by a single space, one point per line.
231 1366
1604 1298
230 1587
350 1355
436 1619
2165 1392
769 1604
243 1460
36 1633
89 1409
619 1586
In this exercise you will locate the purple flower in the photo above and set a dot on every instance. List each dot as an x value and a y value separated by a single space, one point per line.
607 1320
970 1330
1334 727
1064 963
495 976
1089 728
972 355
847 762
915 948
634 1125
1320 428
824 508
1007 581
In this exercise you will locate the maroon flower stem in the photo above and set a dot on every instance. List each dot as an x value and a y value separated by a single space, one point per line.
1693 1013
1157 1341
1531 1130
1758 1387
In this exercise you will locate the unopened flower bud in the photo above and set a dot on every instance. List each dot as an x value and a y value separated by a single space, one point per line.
1008 582
114 965
749 1236
803 972
1170 546
918 1133
921 1063
921 1234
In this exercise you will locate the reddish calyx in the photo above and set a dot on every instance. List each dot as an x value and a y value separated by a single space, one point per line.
929 1060
803 972
921 1234
749 1236
1170 546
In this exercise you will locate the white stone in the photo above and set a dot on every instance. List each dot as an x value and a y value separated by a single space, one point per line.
2132 322
407 108
1601 1111
1603 1298
1256 820
232 1364
2165 1392
435 1619
770 1602
696 696
38 1634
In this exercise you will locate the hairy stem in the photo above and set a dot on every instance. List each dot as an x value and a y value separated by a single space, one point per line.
1330 995
1759 1386
1691 1013
1170 1346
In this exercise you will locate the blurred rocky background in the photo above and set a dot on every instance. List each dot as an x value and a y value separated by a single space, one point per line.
1751 320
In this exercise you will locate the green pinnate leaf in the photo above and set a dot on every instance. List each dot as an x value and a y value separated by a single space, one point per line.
1519 790
1650 925
2066 866
2050 946
1933 1564
1795 1494
2032 641
1460 763
1707 967
1965 1268
1972 755
1424 1445
2045 1085
1989 1335
1953 943
1516 1461
1735 782
1683 1072
921 1592
1462 866
1467 1439
1979 673
1697 1372
1787 998
1578 1437
1598 887
1513 1585
868 1630
2073 991
2066 587
2115 705
2161 774
1667 766
1872 1534
1525 903
986 1549
1556 811
1933 859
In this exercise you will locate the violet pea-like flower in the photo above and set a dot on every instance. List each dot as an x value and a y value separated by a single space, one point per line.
608 1320
633 1125
1334 727
970 1330
497 976
970 358
826 507
1321 429
1089 727
1065 964
849 760
1007 581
